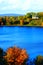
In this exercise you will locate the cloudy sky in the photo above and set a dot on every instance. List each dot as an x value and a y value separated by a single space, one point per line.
20 6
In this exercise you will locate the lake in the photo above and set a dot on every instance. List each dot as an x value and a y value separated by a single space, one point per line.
29 38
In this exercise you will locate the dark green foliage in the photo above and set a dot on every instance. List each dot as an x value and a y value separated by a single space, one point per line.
26 23
38 60
4 21
11 23
29 15
2 60
17 22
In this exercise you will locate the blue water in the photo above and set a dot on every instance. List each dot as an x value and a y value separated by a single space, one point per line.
29 38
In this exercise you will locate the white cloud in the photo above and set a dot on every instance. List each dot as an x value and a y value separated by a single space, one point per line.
1 1
21 5
38 4
17 4
26 5
12 4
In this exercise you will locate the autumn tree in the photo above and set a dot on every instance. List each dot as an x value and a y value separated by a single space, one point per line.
16 56
0 20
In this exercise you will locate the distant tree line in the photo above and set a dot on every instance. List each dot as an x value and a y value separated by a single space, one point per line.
29 19
18 56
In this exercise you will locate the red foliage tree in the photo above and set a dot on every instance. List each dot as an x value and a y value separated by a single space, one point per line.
16 56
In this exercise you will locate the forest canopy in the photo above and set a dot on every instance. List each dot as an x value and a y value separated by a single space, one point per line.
29 19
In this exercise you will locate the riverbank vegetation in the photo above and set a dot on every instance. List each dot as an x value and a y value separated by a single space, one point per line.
29 19
18 56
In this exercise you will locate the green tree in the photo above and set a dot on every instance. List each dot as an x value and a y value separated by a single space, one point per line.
38 60
29 15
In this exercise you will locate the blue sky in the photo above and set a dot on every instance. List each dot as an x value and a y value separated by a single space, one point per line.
20 6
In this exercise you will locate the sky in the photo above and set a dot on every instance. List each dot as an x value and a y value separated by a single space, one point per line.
20 6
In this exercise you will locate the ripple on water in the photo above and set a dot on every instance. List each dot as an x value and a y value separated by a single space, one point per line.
30 38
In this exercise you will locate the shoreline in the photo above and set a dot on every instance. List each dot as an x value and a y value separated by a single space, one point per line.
19 26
